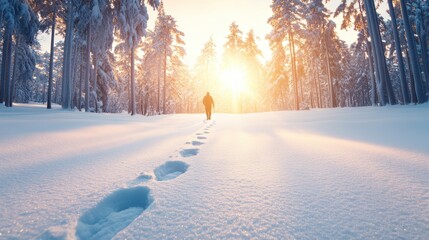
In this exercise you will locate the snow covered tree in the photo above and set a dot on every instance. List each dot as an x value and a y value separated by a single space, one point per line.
403 80
8 21
103 57
23 69
131 22
254 73
177 90
205 67
162 71
277 77
167 42
87 18
233 48
67 81
95 25
49 11
417 13
148 72
363 15
22 22
359 84
321 42
379 54
286 19
414 60
24 57
121 94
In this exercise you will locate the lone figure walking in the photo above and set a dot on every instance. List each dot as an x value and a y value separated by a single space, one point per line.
208 104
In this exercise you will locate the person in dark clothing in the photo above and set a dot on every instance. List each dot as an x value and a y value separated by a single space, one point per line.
208 104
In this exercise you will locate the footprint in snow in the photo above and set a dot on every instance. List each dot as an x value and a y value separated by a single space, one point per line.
198 134
170 170
196 143
114 213
143 177
201 137
189 152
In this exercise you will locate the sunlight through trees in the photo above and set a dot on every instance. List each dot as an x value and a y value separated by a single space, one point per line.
109 61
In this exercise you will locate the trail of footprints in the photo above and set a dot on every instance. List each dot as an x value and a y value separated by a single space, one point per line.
119 209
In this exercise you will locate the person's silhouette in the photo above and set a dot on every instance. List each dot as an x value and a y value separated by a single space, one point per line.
208 104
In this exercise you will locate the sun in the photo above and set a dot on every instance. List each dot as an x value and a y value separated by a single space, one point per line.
234 79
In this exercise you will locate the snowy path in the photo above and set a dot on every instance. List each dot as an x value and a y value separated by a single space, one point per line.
332 174
55 165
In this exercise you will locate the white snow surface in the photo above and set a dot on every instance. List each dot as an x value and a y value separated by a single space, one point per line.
351 173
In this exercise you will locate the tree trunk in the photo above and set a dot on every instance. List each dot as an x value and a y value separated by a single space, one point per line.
365 93
314 92
1 22
10 82
380 82
389 87
328 70
159 86
82 59
294 77
421 32
415 65
403 78
412 88
10 89
88 67
67 62
380 60
57 87
51 58
371 72
370 58
6 64
319 88
165 81
94 90
425 56
75 57
44 93
133 97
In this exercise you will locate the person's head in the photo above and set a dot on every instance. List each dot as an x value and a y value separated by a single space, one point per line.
208 94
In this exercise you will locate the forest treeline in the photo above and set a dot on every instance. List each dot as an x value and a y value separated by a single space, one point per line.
109 61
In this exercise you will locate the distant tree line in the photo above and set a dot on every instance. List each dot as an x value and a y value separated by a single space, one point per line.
108 61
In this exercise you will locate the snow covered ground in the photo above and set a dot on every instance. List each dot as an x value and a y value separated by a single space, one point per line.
353 173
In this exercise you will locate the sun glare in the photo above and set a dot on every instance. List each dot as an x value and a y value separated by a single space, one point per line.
234 79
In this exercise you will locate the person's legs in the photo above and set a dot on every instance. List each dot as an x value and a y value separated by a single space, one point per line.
207 113
209 110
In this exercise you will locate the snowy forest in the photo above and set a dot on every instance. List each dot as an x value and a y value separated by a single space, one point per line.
108 60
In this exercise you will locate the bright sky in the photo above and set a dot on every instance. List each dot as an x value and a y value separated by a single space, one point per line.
202 19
